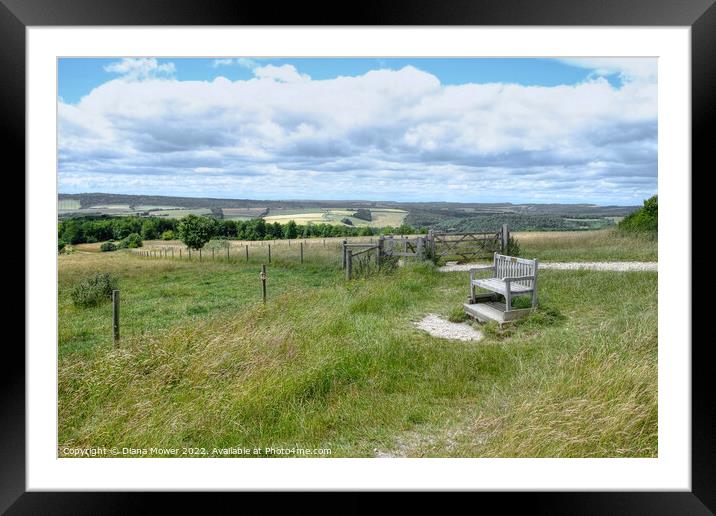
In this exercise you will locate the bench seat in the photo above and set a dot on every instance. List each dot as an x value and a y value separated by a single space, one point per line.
500 286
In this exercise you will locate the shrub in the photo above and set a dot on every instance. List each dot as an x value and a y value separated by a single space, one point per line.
168 235
645 219
131 241
107 247
93 290
61 245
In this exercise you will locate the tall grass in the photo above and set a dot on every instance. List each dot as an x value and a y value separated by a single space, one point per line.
341 366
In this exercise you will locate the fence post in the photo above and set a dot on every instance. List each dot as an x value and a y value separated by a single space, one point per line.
420 248
212 254
263 282
180 254
200 254
115 316
172 252
301 252
189 253
269 252
247 253
379 255
344 254
227 252
349 264
505 238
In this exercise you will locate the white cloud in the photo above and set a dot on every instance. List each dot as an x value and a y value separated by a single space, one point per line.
140 68
385 134
629 68
283 73
221 62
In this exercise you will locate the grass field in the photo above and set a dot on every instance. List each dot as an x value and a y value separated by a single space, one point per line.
333 364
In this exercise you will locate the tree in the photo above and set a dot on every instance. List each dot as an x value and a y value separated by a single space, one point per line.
150 229
291 230
195 231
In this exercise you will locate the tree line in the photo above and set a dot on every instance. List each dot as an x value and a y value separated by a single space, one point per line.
194 229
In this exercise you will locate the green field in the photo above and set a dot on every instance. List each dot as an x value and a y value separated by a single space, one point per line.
68 205
333 364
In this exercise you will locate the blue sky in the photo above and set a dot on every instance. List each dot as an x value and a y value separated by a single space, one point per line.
431 129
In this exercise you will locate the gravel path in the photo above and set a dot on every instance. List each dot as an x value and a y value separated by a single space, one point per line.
444 329
592 266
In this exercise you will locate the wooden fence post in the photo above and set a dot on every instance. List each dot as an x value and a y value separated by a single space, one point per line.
227 252
420 249
247 253
263 282
269 252
379 255
344 254
115 317
212 254
349 264
505 238
189 253
180 254
301 252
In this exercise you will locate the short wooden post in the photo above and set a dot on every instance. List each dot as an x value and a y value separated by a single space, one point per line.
227 252
212 254
324 242
247 253
263 282
180 254
269 252
379 255
200 254
301 252
505 238
344 254
289 242
419 249
349 264
115 316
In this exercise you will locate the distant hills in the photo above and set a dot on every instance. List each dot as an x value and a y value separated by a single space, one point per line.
439 215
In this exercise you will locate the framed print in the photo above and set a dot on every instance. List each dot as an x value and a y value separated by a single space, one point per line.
413 249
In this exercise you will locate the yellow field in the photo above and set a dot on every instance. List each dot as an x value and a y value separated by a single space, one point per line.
381 217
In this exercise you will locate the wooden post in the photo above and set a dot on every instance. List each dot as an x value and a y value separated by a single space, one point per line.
344 254
505 238
289 242
200 254
115 316
263 282
324 242
269 252
379 255
349 264
172 252
227 252
420 248
301 252
247 253
189 253
212 254
180 254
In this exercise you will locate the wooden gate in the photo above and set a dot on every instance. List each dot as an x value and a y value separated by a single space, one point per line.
468 246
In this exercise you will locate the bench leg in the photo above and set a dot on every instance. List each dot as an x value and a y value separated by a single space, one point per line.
472 288
508 301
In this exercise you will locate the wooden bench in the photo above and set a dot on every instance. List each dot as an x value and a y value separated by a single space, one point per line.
511 276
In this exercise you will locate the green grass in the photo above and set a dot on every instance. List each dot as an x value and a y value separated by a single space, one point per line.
334 364
157 295
587 246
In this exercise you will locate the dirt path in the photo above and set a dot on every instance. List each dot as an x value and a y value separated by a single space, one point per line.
592 266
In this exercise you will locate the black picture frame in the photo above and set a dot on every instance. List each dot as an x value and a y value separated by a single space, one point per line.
700 15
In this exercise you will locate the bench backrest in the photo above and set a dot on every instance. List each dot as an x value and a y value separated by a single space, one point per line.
514 267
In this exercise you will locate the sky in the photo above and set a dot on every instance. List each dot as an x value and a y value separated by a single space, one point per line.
521 130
